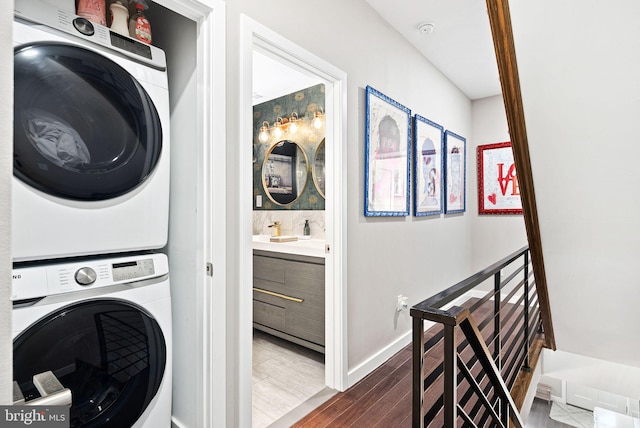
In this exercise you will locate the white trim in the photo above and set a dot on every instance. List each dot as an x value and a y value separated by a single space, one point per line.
211 49
245 256
255 35
176 423
211 387
379 358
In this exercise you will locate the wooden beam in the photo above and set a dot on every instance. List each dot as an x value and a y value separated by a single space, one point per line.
500 20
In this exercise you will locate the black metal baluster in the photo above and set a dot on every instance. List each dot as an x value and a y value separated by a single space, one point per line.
450 382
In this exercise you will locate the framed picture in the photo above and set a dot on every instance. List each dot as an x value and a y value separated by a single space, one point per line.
498 191
387 155
455 154
427 161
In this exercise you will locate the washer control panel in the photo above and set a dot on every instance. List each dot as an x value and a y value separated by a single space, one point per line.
127 271
40 280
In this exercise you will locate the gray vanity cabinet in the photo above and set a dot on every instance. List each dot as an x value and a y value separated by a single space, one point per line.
288 297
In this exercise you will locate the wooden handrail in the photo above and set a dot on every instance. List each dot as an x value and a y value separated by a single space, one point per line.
500 20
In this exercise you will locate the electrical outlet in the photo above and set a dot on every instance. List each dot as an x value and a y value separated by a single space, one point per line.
402 305
258 201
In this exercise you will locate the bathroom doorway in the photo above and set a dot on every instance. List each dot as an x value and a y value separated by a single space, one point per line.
289 201
258 40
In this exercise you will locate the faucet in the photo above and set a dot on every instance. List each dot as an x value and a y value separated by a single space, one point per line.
276 228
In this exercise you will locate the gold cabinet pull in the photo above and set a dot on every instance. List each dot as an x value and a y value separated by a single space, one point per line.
282 296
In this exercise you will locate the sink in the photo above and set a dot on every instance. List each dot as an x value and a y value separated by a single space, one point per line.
303 246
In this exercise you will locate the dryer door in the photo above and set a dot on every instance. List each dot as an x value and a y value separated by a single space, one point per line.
84 128
111 354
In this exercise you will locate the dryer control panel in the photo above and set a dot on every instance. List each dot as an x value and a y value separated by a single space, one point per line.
37 281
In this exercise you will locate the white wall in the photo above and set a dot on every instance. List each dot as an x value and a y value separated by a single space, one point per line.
388 256
579 63
6 168
184 254
493 236
590 372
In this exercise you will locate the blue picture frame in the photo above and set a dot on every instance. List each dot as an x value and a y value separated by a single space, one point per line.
428 162
455 155
387 164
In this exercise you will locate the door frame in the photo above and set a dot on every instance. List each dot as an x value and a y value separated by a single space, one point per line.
210 290
255 35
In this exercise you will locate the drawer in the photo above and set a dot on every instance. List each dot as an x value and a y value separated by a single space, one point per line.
269 269
307 328
269 315
305 277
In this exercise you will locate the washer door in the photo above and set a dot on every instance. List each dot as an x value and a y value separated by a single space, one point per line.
84 128
111 354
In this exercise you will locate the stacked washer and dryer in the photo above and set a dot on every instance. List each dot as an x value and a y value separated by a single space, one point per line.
90 291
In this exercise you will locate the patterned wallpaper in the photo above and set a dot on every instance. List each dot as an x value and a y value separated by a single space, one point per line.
304 103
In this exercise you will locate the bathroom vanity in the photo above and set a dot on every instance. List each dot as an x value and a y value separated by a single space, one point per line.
288 294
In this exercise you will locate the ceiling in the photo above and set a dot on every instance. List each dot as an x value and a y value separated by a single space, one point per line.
272 79
460 46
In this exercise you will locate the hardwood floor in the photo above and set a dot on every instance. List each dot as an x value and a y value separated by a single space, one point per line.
382 399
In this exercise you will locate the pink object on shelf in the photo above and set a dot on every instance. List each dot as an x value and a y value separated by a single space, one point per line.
93 10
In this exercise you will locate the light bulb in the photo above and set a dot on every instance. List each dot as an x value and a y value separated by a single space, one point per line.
277 128
293 128
263 136
317 121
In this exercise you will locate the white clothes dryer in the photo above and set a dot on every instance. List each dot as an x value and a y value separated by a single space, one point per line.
103 327
91 138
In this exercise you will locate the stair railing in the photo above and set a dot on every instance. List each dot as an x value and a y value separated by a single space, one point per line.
480 332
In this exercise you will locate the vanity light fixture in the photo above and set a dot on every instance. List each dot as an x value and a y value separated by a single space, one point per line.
317 118
280 126
263 136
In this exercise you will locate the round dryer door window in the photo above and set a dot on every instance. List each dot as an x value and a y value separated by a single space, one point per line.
111 354
84 128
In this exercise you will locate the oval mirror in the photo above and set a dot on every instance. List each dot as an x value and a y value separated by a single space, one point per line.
284 172
318 168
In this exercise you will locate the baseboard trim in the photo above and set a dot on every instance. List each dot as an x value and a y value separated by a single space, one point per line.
380 357
377 359
175 423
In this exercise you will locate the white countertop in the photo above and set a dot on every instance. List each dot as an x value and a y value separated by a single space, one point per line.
303 247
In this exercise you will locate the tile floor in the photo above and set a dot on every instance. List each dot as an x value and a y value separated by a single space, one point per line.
285 375
571 415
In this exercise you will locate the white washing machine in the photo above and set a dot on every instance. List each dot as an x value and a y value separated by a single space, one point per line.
103 327
91 138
